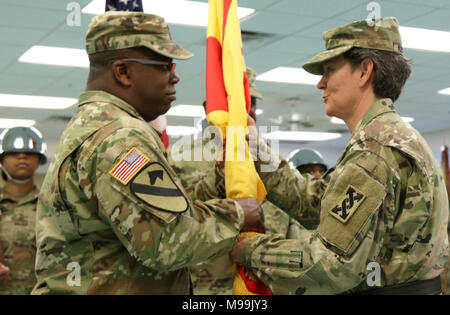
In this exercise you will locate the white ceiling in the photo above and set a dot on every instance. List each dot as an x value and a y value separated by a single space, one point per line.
292 31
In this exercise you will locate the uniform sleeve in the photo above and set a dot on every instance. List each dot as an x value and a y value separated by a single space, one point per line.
150 213
299 195
337 256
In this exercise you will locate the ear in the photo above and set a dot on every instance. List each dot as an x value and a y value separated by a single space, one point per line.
366 67
122 73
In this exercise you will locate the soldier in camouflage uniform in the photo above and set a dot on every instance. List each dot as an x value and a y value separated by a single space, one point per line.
21 151
112 216
383 219
308 161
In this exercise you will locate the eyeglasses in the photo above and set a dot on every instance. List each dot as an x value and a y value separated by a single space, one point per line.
169 65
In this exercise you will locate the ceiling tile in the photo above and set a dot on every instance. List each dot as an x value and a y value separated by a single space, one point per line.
402 11
277 23
41 19
436 20
317 8
13 36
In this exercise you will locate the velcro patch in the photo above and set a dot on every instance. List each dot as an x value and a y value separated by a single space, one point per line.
347 204
155 187
350 201
129 166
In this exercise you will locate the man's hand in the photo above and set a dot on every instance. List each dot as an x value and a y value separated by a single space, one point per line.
4 273
254 217
236 253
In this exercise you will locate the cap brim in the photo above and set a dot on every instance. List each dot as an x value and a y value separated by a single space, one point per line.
170 50
315 65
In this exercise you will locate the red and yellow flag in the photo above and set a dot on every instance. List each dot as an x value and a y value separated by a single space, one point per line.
228 103
228 98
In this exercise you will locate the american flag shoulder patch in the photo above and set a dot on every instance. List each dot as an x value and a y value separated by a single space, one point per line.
129 166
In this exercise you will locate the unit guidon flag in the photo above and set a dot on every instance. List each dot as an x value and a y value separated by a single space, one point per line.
129 166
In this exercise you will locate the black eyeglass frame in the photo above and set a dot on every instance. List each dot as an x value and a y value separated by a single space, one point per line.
170 66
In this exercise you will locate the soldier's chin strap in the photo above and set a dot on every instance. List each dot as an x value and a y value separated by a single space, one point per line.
15 180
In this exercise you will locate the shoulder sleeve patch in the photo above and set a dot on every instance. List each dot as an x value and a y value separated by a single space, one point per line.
129 166
347 204
353 198
155 187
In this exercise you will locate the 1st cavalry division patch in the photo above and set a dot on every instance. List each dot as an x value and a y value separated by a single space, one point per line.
129 166
155 187
347 205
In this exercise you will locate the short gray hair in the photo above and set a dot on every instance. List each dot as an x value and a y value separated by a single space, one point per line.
391 70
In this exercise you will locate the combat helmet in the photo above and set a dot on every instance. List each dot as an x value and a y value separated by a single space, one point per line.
302 157
23 139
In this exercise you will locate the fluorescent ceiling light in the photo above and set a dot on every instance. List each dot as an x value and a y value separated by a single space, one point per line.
444 91
32 101
187 111
425 39
408 119
181 130
301 136
11 123
174 11
338 121
58 56
289 75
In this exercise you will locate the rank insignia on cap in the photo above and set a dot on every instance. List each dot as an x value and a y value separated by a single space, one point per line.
155 187
129 166
347 205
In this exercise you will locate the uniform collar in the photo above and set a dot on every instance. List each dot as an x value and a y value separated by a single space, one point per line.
19 199
102 96
382 106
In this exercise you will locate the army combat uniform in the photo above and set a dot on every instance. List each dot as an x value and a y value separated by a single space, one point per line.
17 238
215 276
384 206
112 216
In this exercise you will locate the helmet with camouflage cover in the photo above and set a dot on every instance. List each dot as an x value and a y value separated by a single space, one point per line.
302 157
23 139
382 34
115 30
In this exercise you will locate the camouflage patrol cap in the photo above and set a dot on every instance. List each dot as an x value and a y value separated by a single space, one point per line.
251 75
382 34
115 30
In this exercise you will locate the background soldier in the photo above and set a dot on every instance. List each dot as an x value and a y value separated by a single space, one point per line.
385 209
113 217
21 151
308 161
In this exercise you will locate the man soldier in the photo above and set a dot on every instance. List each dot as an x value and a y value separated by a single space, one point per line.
383 215
112 216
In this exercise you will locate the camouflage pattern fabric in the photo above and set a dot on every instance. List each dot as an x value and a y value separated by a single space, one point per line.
115 30
215 276
385 204
97 235
17 238
381 34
